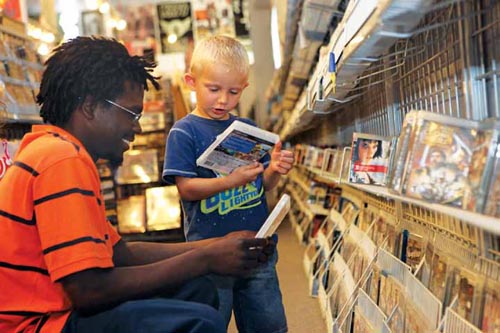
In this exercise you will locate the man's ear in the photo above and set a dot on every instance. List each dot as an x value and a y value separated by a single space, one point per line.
190 80
88 107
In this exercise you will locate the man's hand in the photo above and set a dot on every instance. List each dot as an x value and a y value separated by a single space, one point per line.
238 253
281 160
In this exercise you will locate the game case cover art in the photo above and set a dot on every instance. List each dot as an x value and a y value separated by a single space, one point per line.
437 169
369 159
240 144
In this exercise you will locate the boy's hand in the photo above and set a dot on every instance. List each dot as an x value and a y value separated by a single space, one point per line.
281 160
245 174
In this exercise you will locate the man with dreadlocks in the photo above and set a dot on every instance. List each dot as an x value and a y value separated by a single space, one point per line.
63 268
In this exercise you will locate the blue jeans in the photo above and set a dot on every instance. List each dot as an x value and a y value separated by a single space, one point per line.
190 309
256 300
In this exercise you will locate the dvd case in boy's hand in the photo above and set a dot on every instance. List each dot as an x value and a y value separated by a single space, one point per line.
240 144
274 219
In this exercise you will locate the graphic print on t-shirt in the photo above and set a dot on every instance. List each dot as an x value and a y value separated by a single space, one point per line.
235 198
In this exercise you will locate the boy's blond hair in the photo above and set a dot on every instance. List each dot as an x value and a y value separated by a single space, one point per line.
222 50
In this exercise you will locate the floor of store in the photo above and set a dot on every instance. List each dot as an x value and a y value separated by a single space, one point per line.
302 311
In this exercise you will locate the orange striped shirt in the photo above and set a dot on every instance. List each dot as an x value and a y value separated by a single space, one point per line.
52 224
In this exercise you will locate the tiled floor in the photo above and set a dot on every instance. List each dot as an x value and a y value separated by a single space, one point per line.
302 311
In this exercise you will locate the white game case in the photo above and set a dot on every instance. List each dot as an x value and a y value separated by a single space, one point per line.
275 218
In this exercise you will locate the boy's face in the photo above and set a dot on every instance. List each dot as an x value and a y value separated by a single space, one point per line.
218 90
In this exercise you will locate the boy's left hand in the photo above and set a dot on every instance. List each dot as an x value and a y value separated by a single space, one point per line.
281 160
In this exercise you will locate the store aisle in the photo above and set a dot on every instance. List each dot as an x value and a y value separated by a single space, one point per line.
302 311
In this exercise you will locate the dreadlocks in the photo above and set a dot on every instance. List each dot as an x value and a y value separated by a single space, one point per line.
88 66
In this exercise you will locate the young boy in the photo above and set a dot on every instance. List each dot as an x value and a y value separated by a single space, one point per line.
218 74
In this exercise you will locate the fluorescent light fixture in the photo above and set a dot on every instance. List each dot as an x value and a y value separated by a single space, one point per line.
275 38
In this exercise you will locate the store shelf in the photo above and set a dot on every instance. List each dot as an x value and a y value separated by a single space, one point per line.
485 222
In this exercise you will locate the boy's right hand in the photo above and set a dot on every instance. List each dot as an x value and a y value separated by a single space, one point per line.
245 174
236 254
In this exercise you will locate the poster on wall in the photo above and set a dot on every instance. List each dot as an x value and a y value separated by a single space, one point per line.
92 23
213 17
241 18
11 8
140 35
175 26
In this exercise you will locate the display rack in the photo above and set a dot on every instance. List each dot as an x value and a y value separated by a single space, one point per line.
445 61
20 73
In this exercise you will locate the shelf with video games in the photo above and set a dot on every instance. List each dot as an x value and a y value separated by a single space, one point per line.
20 74
443 164
484 222
411 270
432 208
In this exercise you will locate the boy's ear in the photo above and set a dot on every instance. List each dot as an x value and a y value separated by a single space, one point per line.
190 80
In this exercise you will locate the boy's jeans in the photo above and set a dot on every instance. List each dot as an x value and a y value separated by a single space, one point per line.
256 300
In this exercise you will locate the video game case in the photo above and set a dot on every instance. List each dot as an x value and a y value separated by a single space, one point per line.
490 322
240 144
467 286
415 322
163 208
482 164
384 292
439 276
374 286
139 166
346 164
361 322
365 218
438 159
370 157
132 214
412 248
275 218
403 144
424 274
330 161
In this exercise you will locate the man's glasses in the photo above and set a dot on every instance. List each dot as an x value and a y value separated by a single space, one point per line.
137 116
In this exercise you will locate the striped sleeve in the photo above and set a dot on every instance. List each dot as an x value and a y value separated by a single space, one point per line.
71 221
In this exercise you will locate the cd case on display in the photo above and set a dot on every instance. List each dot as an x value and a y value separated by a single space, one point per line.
275 218
370 158
139 166
438 159
240 144
132 215
163 208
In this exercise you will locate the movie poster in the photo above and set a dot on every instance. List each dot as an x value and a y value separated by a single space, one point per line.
11 8
241 14
175 23
140 36
213 17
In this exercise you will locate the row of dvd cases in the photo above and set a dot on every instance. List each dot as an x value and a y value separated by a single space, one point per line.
381 260
379 264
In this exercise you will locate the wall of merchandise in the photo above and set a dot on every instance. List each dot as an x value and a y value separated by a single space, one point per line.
395 191
136 200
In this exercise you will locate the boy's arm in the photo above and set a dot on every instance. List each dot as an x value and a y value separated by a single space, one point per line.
281 163
193 189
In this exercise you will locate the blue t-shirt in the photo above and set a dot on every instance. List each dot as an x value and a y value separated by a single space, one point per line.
241 208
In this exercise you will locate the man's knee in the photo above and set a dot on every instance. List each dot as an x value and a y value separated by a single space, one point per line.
164 315
200 290
209 319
